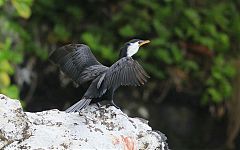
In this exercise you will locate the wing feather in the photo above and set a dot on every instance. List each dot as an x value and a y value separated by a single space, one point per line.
78 62
125 71
136 80
142 70
133 82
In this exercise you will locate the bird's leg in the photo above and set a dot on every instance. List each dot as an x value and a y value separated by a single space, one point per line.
98 104
99 107
113 104
110 97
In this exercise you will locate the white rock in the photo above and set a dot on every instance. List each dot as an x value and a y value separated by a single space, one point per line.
93 128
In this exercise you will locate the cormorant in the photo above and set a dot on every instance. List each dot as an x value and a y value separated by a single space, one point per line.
78 62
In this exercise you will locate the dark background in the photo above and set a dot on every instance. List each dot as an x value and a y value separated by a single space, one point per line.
193 60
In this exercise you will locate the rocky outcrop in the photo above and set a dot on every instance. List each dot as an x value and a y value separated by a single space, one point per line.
92 128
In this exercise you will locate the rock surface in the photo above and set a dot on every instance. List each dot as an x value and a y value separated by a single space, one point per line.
93 128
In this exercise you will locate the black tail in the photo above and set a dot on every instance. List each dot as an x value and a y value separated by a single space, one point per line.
79 105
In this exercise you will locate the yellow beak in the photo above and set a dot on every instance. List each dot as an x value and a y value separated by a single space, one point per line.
144 42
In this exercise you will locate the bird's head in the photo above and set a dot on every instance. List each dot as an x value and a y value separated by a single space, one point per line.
130 48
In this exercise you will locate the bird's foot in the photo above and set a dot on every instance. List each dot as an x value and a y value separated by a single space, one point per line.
112 104
99 106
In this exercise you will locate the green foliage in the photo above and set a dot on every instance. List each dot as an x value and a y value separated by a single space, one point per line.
199 38
11 44
94 42
127 31
61 32
23 7
2 2
6 70
218 86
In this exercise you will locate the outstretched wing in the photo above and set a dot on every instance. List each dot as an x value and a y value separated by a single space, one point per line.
78 62
125 71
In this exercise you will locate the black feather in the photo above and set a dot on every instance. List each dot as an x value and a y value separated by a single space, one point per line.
78 62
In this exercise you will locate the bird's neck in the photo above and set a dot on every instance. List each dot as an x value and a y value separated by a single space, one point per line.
123 53
128 51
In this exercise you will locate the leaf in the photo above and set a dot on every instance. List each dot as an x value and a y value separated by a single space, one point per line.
192 32
226 88
41 52
108 54
163 55
215 95
6 67
158 41
2 2
127 31
217 75
193 16
4 80
210 28
179 32
152 4
23 7
177 54
11 91
210 82
161 30
206 41
224 40
61 32
13 56
190 65
91 40
217 15
229 71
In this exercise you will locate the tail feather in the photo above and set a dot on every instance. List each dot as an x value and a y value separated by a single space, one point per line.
79 105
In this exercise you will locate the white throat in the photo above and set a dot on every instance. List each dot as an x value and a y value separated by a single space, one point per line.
132 49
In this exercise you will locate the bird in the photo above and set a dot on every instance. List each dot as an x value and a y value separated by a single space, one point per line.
78 62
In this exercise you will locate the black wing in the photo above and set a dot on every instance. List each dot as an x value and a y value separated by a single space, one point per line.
125 71
78 62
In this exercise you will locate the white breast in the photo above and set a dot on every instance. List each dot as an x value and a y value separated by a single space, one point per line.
132 49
